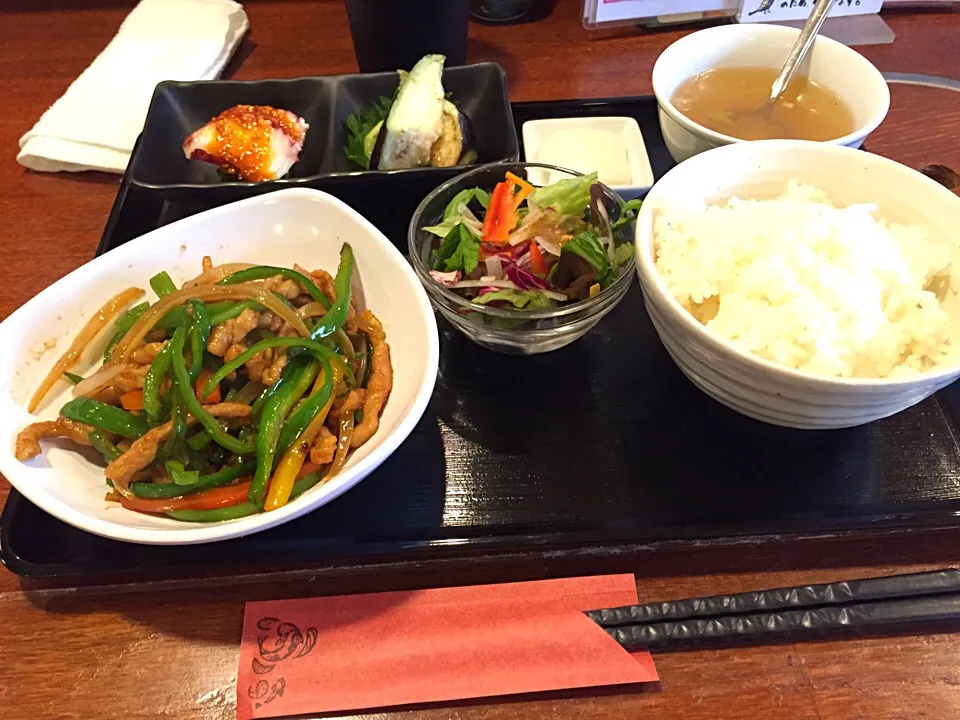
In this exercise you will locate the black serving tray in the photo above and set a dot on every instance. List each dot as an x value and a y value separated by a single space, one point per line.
603 441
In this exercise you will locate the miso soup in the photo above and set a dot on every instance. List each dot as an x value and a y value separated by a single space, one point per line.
733 101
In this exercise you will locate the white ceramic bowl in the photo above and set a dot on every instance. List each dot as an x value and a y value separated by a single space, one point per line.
835 66
281 228
745 382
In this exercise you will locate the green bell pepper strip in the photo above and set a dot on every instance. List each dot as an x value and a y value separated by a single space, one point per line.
222 314
301 417
275 411
105 417
199 334
103 446
75 379
122 327
210 423
196 354
180 475
337 314
152 381
234 512
262 272
259 347
202 319
162 284
199 440
174 318
175 441
197 460
206 482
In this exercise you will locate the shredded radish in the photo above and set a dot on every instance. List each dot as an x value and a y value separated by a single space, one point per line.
525 231
445 278
494 266
470 220
484 283
547 246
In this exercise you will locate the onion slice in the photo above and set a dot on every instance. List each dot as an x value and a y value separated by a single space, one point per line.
216 274
89 331
343 446
312 309
99 380
206 293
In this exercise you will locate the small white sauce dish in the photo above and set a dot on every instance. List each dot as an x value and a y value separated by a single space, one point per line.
829 63
540 146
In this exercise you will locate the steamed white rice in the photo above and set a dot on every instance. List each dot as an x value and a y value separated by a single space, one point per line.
796 280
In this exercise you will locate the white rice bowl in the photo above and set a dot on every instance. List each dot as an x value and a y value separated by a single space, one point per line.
827 290
828 333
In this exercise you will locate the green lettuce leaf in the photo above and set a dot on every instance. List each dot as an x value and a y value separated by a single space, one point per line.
628 211
460 250
451 216
588 246
444 228
520 299
465 196
622 255
568 197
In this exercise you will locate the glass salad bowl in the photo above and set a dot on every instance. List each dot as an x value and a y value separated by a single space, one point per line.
535 317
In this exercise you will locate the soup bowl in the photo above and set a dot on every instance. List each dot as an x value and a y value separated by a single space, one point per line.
832 65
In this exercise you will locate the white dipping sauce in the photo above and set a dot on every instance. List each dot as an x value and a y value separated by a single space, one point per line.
589 149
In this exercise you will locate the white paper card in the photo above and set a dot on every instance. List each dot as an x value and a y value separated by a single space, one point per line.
598 12
777 10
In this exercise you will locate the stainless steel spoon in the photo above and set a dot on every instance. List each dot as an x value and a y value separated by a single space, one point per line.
800 48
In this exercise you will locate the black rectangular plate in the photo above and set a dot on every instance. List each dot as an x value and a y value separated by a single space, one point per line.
603 441
179 108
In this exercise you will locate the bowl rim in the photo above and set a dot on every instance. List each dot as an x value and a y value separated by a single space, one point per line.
432 286
667 106
652 282
195 533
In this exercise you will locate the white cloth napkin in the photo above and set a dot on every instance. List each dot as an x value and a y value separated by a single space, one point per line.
95 124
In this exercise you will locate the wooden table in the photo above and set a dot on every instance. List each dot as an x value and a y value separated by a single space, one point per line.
170 650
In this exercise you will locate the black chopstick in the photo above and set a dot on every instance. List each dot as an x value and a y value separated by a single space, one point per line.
873 604
789 624
935 582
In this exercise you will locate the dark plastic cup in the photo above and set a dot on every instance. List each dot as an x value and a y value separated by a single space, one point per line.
394 34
